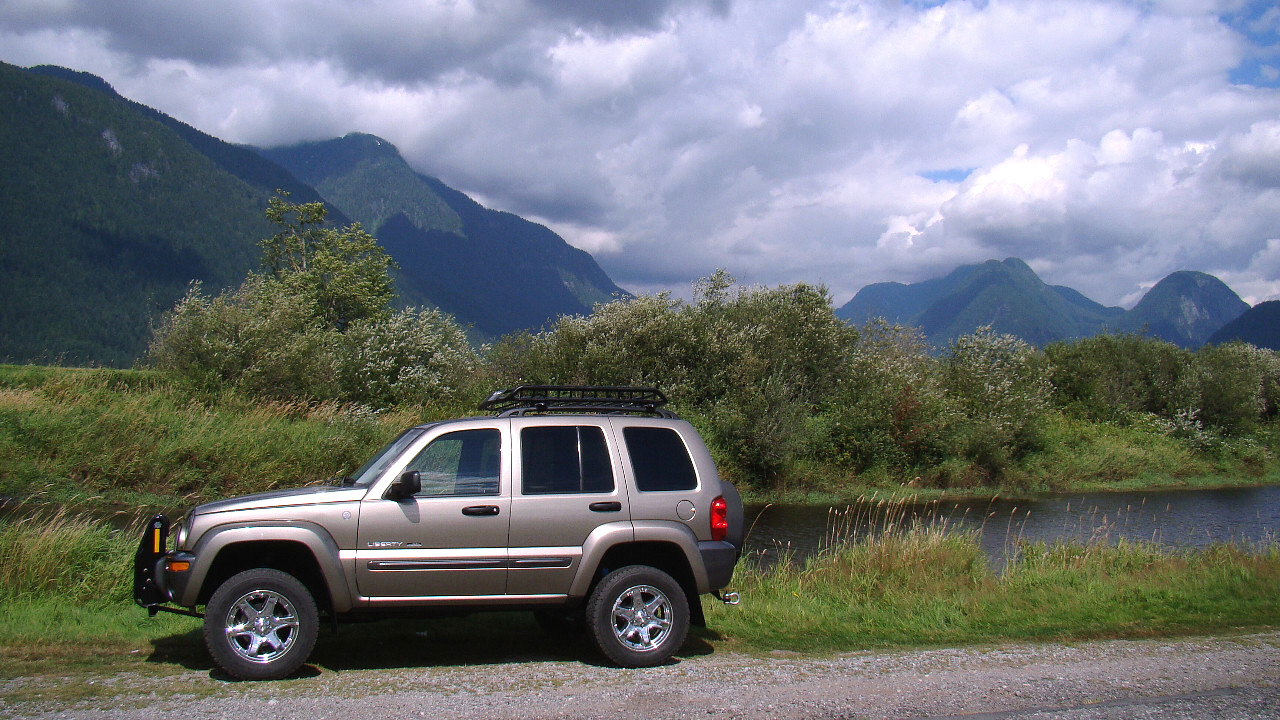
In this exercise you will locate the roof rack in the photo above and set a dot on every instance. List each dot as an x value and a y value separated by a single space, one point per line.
577 399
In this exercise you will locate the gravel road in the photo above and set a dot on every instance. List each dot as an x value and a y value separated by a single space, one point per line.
1226 677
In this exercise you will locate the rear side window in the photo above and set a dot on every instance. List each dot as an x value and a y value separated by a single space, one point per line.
659 459
560 459
460 463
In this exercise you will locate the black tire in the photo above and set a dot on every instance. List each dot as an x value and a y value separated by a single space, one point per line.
261 625
638 616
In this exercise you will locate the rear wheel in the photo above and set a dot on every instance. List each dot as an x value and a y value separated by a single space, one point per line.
638 616
261 625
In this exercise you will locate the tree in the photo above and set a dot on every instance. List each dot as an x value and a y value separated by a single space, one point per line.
344 272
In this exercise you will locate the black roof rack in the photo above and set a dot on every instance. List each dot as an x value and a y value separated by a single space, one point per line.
577 399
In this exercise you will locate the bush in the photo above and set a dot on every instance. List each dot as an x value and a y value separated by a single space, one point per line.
889 410
259 337
755 363
414 357
270 342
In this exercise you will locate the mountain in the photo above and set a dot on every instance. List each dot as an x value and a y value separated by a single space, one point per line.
108 213
111 208
238 160
1184 308
1258 326
1006 295
494 270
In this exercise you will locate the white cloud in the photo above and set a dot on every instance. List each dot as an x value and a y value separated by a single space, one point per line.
783 141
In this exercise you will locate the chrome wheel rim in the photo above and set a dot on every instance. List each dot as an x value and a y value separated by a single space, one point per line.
642 618
261 626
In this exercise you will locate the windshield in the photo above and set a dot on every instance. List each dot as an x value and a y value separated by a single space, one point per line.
384 457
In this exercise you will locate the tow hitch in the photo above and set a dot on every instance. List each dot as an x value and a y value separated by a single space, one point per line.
729 598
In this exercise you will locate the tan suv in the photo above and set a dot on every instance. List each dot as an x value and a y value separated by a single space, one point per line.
587 503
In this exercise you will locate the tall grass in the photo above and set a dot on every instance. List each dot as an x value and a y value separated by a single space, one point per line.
75 559
907 580
65 581
70 436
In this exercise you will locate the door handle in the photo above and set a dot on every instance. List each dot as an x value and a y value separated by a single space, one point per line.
605 507
480 510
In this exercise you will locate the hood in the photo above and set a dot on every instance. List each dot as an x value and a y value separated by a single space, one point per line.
285 498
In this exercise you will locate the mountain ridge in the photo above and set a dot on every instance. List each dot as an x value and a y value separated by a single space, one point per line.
1183 308
449 246
112 208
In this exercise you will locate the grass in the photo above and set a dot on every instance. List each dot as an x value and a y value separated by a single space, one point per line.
121 437
903 583
64 587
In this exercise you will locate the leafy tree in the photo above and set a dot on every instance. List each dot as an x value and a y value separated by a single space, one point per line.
751 365
344 272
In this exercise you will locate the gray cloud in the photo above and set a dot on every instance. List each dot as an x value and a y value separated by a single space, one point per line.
1106 142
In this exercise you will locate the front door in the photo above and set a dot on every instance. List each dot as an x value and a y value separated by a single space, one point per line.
450 539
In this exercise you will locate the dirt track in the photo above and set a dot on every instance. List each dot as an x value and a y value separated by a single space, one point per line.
1192 678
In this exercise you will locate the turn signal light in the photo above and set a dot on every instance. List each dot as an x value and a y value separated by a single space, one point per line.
179 566
719 519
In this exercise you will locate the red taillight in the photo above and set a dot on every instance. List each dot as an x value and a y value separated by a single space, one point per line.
719 519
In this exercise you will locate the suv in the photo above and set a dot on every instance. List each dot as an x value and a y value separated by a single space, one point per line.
587 503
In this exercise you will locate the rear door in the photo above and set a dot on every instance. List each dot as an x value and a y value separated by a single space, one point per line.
566 484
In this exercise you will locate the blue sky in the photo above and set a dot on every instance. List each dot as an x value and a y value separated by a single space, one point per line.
1106 143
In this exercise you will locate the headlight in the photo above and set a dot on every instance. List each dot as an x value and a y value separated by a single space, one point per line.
180 534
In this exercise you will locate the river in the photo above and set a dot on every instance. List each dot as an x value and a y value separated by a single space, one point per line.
1182 518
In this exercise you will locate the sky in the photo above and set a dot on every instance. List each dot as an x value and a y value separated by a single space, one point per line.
1107 143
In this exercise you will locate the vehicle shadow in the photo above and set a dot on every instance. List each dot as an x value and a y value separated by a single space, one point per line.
399 643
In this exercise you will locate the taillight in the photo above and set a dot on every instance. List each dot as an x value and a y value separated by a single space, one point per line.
719 519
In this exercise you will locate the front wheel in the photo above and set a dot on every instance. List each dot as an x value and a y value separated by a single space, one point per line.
261 625
638 616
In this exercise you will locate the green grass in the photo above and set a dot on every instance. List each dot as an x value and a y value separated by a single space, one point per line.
120 437
65 585
928 586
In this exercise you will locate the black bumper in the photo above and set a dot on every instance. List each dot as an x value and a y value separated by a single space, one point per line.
718 558
147 564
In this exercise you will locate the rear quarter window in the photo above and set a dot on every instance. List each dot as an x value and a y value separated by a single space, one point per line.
660 461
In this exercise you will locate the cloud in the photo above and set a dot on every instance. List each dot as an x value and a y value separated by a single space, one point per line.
1106 142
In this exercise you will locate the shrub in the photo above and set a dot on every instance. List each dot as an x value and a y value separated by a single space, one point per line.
415 357
889 409
998 384
259 337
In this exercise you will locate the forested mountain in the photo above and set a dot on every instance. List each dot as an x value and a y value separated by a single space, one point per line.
1259 326
110 209
1184 308
493 269
108 213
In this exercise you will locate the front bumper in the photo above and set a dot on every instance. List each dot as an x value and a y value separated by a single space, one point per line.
151 563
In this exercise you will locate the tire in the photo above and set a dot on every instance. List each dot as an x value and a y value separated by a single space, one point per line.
638 616
261 625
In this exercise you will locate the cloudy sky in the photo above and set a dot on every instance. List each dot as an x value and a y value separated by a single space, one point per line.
1106 143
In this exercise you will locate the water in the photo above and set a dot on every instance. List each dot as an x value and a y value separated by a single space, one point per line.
1179 518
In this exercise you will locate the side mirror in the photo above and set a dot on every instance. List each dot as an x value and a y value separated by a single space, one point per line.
406 486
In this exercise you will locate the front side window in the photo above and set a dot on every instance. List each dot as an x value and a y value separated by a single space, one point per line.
659 459
564 459
465 462
375 465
